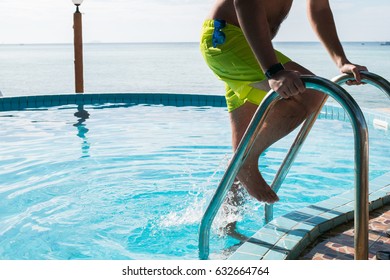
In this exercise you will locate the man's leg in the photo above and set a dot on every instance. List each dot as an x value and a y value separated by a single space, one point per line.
282 118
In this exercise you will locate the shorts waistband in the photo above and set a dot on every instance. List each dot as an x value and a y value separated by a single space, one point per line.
210 23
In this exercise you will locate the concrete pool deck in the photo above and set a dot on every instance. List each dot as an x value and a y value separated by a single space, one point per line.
337 244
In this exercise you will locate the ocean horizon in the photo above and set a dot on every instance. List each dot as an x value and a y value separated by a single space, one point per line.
185 42
166 67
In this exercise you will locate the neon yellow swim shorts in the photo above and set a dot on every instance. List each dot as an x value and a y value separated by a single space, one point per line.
233 61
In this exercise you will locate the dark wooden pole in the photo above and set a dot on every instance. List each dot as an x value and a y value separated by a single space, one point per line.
78 51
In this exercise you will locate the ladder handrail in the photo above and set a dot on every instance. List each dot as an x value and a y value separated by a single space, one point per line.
367 77
243 149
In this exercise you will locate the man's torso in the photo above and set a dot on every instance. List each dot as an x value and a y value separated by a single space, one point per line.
276 11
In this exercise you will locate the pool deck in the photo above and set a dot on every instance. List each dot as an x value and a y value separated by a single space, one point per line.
338 243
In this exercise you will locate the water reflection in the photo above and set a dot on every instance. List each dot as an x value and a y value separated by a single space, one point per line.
82 130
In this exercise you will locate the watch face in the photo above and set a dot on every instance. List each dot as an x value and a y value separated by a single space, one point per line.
273 70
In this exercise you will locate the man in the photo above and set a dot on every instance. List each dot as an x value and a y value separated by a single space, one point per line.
236 43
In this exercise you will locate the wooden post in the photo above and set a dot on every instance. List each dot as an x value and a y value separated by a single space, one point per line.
78 51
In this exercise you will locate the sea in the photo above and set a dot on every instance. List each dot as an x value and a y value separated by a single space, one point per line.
39 69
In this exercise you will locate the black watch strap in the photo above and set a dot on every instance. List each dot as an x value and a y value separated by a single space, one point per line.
273 70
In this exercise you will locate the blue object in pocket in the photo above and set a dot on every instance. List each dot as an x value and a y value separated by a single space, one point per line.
218 36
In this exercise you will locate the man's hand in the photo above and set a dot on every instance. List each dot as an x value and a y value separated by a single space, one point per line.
287 83
354 69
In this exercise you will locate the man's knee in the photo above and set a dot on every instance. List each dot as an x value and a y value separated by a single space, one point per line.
311 100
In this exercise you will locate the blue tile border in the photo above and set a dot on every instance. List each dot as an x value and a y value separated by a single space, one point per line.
333 111
166 99
296 230
336 112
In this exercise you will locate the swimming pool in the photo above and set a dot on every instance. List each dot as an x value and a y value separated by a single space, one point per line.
132 181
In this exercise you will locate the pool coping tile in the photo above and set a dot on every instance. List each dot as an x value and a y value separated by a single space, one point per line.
7 103
170 99
243 256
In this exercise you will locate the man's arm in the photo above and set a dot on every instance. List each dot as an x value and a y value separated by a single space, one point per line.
253 22
321 19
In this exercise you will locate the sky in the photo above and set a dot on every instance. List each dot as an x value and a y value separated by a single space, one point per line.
51 21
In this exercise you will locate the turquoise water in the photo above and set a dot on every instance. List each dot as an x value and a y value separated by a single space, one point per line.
132 182
169 67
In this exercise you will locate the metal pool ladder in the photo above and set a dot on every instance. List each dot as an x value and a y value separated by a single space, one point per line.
361 156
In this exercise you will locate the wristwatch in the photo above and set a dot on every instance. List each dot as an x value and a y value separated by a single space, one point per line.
273 70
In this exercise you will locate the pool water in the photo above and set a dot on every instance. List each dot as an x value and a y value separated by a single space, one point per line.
132 182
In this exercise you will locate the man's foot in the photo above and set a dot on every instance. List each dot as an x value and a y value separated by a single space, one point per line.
231 230
255 184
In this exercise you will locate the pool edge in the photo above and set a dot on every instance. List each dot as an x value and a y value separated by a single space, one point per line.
168 99
286 237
